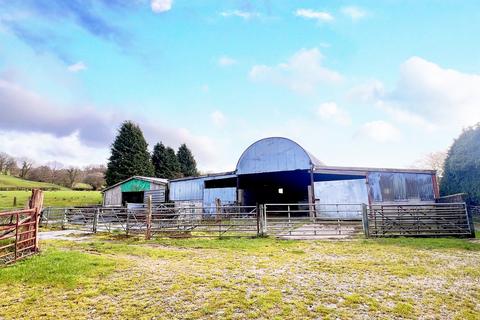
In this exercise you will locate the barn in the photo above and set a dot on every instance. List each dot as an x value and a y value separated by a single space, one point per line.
135 190
278 170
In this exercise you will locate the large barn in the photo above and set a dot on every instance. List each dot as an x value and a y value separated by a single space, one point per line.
279 170
135 190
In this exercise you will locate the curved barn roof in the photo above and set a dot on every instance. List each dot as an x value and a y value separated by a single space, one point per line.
275 154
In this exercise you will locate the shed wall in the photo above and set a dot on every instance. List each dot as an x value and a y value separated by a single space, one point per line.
396 187
227 196
342 194
113 197
187 190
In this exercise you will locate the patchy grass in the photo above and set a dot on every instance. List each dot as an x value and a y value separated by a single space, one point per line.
65 198
116 278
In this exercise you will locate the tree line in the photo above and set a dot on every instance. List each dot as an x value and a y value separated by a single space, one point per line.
92 177
130 157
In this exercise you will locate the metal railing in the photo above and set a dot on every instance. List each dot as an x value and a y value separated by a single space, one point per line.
436 219
306 220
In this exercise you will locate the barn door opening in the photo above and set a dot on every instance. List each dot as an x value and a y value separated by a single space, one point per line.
275 187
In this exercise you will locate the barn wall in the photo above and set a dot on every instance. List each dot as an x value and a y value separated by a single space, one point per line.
158 195
340 192
227 196
186 190
113 197
393 187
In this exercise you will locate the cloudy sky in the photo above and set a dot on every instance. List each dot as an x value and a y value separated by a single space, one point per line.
355 82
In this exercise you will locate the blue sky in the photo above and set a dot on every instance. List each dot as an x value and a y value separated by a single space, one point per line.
362 83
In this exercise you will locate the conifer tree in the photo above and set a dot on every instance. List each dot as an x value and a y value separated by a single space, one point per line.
462 166
129 155
165 162
188 165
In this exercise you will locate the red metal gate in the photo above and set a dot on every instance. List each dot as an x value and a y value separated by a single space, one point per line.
19 231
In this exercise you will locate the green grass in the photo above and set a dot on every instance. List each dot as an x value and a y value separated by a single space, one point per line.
113 277
11 183
52 198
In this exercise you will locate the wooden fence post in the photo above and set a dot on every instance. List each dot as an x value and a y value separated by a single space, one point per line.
36 202
95 221
365 220
148 231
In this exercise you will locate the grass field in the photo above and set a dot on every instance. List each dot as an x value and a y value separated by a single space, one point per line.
9 182
63 198
263 278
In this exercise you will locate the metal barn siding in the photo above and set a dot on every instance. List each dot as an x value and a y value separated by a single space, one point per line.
158 196
388 187
185 190
342 194
227 196
274 155
113 197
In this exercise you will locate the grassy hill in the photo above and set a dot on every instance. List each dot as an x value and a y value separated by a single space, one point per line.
55 195
9 183
62 198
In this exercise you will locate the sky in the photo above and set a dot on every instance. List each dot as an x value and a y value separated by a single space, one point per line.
356 83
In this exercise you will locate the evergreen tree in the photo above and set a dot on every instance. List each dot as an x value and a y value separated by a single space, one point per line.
462 166
165 162
129 155
188 165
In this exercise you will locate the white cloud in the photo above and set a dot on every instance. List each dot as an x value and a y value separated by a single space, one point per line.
330 111
76 67
302 73
45 147
427 96
225 61
380 131
218 118
247 15
320 16
355 13
159 6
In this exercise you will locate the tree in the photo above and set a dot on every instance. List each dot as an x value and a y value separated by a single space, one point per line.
129 155
165 162
434 161
188 165
26 166
72 174
95 179
462 166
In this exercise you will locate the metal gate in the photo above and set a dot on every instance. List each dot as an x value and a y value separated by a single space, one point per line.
436 219
303 221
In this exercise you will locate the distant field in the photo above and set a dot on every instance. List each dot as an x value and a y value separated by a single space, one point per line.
10 183
62 198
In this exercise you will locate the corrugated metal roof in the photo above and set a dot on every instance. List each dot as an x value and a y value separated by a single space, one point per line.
210 176
275 154
149 179
365 170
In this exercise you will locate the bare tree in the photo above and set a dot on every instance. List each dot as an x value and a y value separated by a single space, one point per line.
434 161
3 161
95 179
25 167
72 176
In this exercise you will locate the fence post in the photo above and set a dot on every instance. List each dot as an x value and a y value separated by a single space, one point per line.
258 220
64 218
365 220
127 227
471 225
264 224
95 221
148 231
36 202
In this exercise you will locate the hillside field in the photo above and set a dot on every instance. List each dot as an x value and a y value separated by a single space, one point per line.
11 183
110 277
64 198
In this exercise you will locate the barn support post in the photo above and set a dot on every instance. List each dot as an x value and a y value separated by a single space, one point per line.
365 220
95 221
148 231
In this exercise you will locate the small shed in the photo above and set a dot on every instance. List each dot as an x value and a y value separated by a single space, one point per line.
135 189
